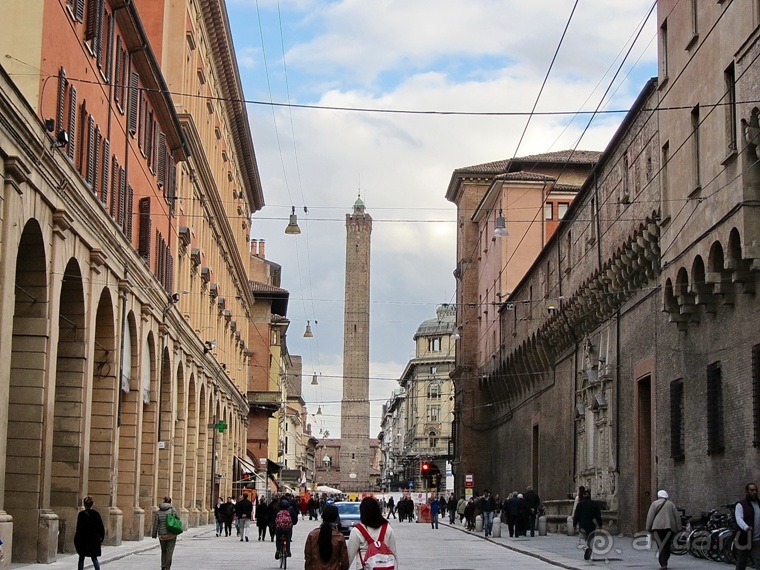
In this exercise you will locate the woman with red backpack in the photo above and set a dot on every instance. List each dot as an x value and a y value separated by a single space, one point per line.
373 540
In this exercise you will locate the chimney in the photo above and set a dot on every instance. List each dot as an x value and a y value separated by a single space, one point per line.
261 249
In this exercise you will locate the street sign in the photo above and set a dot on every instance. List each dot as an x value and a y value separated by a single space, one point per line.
221 426
469 480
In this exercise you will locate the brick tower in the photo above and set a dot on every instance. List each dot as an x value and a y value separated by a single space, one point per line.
354 411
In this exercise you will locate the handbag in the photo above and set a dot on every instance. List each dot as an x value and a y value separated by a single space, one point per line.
173 524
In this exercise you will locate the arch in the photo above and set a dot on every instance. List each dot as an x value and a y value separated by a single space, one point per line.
105 378
734 250
26 393
68 410
715 261
669 302
682 283
149 427
203 451
165 426
191 449
432 438
179 440
697 272
129 421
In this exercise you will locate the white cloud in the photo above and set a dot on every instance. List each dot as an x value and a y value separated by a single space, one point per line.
484 55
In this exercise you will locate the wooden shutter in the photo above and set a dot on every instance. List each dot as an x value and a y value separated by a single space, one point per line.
93 20
114 187
172 186
105 175
143 242
101 34
134 83
79 10
169 270
61 106
97 144
72 121
129 213
122 196
89 166
117 78
161 150
109 48
159 269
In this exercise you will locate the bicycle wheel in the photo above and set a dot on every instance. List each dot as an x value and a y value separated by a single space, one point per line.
680 543
699 543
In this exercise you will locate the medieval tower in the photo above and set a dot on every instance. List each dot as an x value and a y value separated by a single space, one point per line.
354 411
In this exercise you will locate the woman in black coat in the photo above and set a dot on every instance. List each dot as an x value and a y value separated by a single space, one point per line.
262 518
89 534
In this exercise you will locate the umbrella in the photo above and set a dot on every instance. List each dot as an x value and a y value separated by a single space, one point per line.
326 489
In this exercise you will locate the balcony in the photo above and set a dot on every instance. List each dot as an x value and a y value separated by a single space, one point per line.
268 401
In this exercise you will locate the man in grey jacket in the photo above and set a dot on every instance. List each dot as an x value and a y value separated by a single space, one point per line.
663 521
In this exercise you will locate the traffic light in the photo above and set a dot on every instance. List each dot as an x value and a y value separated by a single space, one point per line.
425 469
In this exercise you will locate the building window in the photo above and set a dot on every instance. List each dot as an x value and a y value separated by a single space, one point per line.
434 344
664 183
549 211
562 210
695 159
431 439
663 51
433 413
677 450
433 370
434 390
730 107
715 440
756 395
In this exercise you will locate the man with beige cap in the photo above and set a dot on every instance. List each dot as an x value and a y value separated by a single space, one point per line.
663 521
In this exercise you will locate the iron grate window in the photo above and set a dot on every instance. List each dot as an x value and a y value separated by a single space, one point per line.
756 395
677 448
715 439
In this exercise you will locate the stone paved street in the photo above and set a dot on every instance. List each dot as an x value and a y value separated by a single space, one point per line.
419 546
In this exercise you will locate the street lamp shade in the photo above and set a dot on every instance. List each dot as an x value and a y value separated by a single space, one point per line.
293 223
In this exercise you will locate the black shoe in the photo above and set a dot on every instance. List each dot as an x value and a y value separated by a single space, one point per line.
246 539
587 554
277 555
289 555
272 539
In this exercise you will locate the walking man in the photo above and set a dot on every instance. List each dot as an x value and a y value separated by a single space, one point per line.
587 515
488 506
391 508
533 502
663 521
747 513
434 508
243 512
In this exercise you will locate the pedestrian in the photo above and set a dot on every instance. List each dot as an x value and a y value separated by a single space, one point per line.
461 506
243 512
325 547
523 516
218 516
228 511
663 521
469 513
533 502
262 518
391 508
578 497
442 506
747 513
487 506
313 506
451 507
588 517
274 508
89 534
434 508
167 540
512 510
374 524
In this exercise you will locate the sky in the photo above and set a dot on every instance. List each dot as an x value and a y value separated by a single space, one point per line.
473 71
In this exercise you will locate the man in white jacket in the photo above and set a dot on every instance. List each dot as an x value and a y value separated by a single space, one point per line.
663 521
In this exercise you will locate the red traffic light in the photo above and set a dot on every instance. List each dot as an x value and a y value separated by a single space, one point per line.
425 466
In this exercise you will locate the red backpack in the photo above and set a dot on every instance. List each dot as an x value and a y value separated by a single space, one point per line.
379 555
283 520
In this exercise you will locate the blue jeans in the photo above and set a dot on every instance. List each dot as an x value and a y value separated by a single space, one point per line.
487 522
434 520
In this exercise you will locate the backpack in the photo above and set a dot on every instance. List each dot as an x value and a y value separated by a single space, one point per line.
379 556
283 521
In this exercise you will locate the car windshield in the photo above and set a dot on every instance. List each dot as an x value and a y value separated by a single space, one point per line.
348 508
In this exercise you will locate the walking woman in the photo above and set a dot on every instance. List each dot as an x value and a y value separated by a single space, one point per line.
168 540
375 525
89 534
325 547
262 518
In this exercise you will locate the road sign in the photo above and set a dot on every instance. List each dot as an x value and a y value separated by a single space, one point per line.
469 480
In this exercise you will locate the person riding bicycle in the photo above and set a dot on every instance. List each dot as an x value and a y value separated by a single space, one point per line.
286 517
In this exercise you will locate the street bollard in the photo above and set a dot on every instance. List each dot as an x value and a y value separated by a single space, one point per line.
496 528
542 525
570 526
479 523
